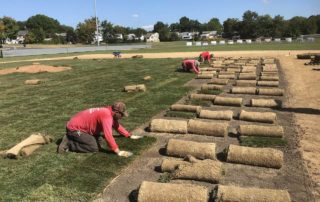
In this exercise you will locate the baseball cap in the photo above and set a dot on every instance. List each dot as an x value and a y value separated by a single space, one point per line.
120 107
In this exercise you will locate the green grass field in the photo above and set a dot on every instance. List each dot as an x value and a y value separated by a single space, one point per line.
180 46
45 108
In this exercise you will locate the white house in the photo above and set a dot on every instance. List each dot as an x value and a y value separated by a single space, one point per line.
186 36
152 37
208 34
21 35
118 36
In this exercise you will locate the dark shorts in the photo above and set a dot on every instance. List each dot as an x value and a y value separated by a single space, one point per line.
82 142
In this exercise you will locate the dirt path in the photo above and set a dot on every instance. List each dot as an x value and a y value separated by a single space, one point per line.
172 55
304 101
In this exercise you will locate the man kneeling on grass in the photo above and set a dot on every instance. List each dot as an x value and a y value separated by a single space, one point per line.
83 130
190 65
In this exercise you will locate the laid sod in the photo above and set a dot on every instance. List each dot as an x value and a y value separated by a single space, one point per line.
262 142
211 92
204 103
45 108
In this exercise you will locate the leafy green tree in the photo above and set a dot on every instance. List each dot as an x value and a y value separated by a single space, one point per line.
175 27
86 30
300 26
30 38
230 27
248 28
159 26
185 25
11 27
48 25
279 26
2 33
264 26
316 19
214 24
173 36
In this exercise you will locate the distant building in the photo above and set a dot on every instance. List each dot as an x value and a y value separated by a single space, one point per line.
152 37
208 35
188 35
21 36
118 36
132 37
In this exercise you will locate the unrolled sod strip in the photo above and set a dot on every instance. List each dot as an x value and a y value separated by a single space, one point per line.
218 115
246 83
202 96
249 69
251 194
135 88
269 78
206 170
209 128
264 157
270 91
169 192
169 165
169 126
268 83
219 81
229 101
182 148
244 90
265 103
211 87
188 108
264 117
258 130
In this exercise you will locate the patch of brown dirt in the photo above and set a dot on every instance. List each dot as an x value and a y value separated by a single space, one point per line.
304 101
35 68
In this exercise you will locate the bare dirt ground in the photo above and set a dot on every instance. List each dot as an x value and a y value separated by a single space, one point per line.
34 68
304 102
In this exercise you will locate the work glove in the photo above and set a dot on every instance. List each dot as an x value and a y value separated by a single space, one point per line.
125 154
135 137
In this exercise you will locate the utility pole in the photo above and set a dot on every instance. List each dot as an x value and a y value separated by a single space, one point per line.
97 26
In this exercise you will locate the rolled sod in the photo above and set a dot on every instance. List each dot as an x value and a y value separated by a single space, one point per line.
269 74
182 148
229 101
202 96
264 117
188 108
219 81
251 194
33 82
263 157
169 126
209 128
271 91
135 88
226 76
246 83
247 76
265 103
258 130
269 78
204 76
28 150
169 165
33 139
218 115
206 170
268 83
211 87
169 192
244 90
249 69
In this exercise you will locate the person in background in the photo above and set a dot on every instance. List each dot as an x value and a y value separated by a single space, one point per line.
83 130
205 56
191 65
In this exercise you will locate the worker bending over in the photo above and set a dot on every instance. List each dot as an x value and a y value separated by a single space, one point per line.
191 65
205 56
83 130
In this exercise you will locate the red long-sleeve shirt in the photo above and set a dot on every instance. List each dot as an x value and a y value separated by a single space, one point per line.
95 120
191 65
205 55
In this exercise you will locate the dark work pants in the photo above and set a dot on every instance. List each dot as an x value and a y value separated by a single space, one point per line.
82 142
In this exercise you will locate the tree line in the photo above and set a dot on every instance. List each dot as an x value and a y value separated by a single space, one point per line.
252 25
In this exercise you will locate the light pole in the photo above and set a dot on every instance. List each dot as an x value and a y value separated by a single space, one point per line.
97 26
